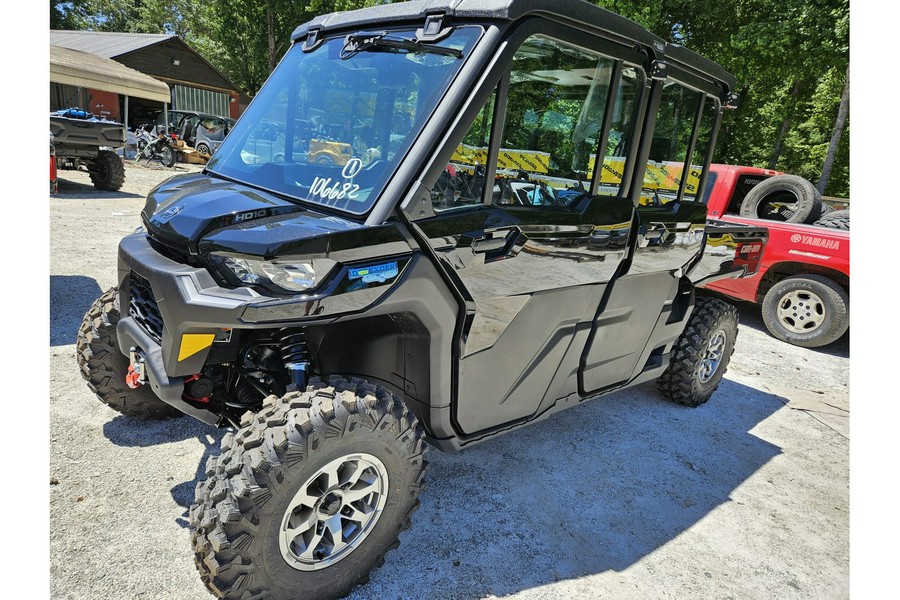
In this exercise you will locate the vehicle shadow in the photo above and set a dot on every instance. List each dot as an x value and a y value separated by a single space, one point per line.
83 191
593 489
129 432
70 298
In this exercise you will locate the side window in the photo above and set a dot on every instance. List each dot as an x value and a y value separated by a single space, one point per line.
675 120
552 122
463 181
618 144
698 158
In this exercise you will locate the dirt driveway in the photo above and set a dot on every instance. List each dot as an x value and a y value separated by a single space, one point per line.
627 496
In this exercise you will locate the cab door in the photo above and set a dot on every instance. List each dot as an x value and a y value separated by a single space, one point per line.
526 226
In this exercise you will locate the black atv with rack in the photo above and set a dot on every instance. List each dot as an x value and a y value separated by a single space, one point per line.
82 139
506 248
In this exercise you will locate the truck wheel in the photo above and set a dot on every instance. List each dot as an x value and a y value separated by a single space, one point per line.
309 494
104 367
701 354
107 171
783 198
839 219
808 311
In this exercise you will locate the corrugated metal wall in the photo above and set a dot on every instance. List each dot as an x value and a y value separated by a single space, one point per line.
190 98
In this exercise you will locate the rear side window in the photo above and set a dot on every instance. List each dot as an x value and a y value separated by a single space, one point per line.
681 141
554 107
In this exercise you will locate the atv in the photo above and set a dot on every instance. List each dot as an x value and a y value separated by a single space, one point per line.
340 318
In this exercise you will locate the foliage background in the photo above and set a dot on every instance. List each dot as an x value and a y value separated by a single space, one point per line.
790 57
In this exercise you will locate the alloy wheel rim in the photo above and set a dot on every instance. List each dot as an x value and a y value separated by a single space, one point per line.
712 356
333 512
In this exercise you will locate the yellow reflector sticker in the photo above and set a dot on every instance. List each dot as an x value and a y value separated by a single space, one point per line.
192 343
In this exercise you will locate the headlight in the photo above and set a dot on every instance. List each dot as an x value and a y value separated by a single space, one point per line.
285 274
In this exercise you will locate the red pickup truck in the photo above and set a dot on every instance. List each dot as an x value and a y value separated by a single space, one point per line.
803 282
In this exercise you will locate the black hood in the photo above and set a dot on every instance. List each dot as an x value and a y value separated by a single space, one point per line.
200 214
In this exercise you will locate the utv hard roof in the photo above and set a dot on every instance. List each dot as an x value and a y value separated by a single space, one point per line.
577 13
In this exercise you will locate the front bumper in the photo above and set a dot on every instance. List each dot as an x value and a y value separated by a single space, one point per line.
188 301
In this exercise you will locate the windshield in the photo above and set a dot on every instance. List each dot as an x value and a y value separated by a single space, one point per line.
330 130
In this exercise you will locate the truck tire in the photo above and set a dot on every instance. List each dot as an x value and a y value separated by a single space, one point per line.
787 198
839 219
107 171
806 310
104 367
701 353
275 519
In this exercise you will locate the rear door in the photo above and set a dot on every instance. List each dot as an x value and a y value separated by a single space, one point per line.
520 225
639 317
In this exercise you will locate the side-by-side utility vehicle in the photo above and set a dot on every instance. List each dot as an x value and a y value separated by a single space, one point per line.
516 229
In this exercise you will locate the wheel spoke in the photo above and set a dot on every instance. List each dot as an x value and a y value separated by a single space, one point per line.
298 526
311 546
336 528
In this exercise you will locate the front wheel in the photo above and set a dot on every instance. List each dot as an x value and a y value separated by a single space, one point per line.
808 311
701 354
309 494
104 367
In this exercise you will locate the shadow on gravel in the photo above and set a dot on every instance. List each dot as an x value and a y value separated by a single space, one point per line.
70 297
130 433
593 489
85 192
749 314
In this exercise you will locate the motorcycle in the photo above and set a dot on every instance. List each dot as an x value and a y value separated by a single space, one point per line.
161 148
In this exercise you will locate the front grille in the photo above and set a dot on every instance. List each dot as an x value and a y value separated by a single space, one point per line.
142 307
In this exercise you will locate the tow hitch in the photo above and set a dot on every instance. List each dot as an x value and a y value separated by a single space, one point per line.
137 372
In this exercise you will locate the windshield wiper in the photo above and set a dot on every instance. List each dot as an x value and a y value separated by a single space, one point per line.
381 41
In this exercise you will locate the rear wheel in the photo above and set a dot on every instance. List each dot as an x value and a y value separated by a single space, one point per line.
701 354
107 171
167 156
104 367
808 310
203 148
309 494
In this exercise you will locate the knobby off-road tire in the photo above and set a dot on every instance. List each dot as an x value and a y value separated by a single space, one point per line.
344 460
808 311
839 219
104 367
107 171
788 198
701 354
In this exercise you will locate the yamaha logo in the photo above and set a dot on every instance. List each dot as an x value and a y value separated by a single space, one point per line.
796 238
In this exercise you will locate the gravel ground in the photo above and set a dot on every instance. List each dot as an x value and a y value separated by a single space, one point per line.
628 496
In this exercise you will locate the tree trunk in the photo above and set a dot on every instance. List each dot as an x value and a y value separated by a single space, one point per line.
836 135
785 125
270 25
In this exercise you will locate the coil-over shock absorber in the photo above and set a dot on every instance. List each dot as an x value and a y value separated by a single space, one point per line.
295 355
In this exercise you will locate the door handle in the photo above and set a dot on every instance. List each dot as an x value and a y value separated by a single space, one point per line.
494 241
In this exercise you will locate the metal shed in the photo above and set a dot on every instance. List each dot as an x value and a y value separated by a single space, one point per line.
85 69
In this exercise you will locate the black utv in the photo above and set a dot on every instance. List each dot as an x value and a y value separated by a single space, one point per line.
512 224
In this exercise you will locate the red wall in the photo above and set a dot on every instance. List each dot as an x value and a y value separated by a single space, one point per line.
106 102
